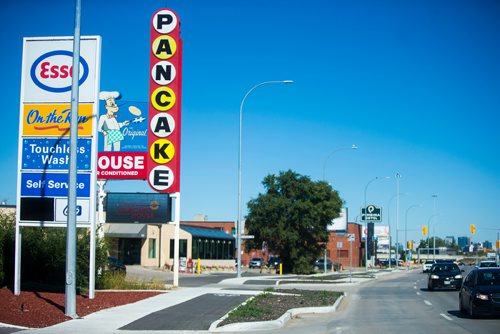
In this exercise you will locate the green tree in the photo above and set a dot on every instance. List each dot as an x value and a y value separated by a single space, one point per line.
292 218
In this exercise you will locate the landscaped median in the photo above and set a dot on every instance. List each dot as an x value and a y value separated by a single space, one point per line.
274 307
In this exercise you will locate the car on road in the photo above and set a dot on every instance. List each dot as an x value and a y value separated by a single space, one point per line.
255 262
273 262
480 292
116 265
319 264
444 275
487 264
427 265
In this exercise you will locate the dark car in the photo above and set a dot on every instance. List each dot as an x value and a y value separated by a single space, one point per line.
319 264
116 265
444 275
273 262
480 292
487 264
255 262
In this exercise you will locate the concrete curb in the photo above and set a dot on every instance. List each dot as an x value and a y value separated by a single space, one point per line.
273 324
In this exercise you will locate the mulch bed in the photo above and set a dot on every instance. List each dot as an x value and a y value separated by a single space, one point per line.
36 309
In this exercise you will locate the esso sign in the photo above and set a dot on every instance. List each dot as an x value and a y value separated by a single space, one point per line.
53 71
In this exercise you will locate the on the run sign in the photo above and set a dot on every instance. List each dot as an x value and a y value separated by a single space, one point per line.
164 137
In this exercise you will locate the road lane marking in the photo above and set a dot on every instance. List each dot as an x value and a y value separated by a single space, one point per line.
415 287
419 294
428 302
446 317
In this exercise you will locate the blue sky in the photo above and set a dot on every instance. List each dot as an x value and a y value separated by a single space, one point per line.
415 84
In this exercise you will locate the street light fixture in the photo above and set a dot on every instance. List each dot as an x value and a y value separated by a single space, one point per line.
238 221
366 224
352 147
428 232
406 224
389 224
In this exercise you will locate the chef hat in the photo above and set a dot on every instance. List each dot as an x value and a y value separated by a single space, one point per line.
109 95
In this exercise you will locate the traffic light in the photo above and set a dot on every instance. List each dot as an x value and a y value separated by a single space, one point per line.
409 245
472 228
424 230
498 245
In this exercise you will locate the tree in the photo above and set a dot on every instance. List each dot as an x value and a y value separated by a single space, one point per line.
292 218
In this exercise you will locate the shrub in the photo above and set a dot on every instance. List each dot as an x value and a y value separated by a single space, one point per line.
43 254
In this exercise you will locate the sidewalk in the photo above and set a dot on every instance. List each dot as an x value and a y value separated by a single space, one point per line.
183 309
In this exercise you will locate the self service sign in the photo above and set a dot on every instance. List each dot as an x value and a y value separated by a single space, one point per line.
44 126
165 102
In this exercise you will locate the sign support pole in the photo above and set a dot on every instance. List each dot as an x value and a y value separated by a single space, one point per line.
177 210
17 261
70 305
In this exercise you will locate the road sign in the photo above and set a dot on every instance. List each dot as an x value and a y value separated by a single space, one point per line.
251 237
350 237
371 213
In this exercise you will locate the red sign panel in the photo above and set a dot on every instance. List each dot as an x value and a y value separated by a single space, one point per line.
165 85
122 165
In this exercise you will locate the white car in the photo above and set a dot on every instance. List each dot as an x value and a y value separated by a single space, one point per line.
427 265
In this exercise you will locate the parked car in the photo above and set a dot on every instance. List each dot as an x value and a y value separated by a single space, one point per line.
445 275
480 292
273 262
319 264
255 262
487 264
427 265
116 265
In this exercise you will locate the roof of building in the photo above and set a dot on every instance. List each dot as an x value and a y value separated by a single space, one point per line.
206 232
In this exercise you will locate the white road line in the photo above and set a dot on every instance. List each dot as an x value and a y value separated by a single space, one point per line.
415 287
446 317
428 302
419 294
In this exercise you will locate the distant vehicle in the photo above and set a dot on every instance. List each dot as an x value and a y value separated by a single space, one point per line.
273 262
116 265
487 264
445 261
445 275
480 292
427 265
255 262
319 264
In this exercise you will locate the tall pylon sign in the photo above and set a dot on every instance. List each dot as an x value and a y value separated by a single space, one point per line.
165 84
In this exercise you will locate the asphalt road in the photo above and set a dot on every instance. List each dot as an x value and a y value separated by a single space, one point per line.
397 303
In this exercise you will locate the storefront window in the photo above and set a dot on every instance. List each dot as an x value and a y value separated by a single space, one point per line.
152 248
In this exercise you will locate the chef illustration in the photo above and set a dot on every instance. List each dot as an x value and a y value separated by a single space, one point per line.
108 123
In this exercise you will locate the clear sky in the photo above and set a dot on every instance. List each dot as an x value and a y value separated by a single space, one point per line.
415 84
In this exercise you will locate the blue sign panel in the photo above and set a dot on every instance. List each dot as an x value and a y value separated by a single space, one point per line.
53 154
123 126
53 185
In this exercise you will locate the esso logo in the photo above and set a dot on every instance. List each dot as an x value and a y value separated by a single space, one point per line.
53 71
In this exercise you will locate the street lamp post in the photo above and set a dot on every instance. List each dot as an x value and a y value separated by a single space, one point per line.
389 224
434 197
238 221
428 232
353 147
406 225
398 176
364 219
